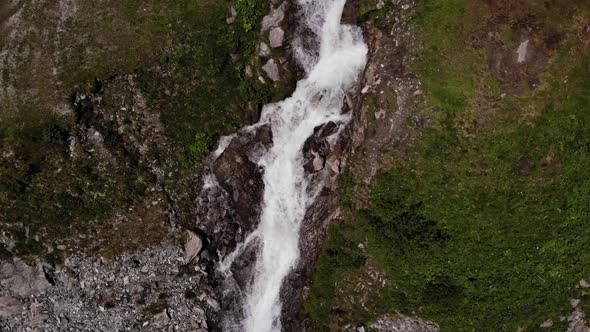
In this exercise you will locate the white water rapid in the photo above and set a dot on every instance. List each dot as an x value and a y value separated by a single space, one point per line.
317 100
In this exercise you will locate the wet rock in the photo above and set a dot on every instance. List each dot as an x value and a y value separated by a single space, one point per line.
276 37
229 209
243 266
272 70
274 18
23 280
334 163
9 306
316 163
192 246
348 103
350 12
317 148
363 141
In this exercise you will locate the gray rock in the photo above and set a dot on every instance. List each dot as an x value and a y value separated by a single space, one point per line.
276 37
272 70
274 18
546 324
9 306
318 162
584 284
213 304
192 246
577 322
263 50
404 324
115 295
23 280
317 148
233 15
37 315
162 319
248 71
574 302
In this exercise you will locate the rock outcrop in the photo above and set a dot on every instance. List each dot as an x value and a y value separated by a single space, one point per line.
23 280
274 18
192 246
228 206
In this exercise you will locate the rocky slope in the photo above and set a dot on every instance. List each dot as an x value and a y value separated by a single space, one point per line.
117 213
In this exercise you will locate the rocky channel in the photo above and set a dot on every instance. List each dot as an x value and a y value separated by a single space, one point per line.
176 285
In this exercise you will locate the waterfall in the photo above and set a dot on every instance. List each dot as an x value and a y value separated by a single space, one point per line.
331 69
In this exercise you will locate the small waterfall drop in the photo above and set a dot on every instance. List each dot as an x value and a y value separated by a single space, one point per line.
331 70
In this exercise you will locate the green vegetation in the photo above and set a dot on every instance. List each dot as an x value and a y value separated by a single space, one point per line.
189 65
247 11
485 227
200 86
197 150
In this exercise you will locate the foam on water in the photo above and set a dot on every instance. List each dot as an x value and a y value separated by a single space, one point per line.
317 100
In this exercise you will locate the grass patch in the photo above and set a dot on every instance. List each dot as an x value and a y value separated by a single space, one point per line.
482 229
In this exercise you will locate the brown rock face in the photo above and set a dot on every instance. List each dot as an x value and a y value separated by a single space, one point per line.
227 209
351 12
230 209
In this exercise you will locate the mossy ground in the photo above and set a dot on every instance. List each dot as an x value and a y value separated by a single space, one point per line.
486 226
183 58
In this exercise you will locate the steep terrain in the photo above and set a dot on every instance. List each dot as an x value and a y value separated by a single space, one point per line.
106 111
455 199
473 214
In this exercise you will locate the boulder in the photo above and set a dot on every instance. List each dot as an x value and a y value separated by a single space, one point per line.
233 15
23 280
272 70
192 246
230 209
263 50
317 148
161 319
276 37
274 18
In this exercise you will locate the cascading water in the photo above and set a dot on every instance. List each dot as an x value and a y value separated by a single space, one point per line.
318 99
